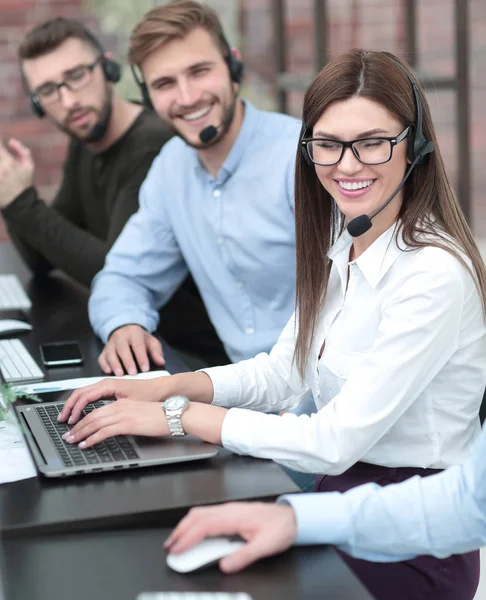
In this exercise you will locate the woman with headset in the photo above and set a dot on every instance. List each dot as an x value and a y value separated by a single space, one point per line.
389 330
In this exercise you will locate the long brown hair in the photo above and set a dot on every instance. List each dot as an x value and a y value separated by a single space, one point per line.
429 204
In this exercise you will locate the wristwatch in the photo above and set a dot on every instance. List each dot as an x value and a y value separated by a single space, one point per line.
173 408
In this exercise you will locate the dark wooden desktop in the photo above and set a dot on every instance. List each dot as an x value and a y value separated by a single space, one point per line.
119 564
113 512
151 495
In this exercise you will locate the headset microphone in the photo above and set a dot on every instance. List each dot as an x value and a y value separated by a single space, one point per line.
418 149
208 133
361 224
211 131
111 72
236 69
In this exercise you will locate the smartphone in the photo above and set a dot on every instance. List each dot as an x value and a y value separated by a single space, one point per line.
60 354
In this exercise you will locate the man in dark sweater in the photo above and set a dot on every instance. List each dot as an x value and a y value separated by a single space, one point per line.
70 80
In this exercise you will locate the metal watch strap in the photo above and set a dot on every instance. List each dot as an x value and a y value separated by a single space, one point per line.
174 421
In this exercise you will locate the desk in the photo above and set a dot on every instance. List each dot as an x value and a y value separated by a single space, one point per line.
156 495
68 538
59 313
117 565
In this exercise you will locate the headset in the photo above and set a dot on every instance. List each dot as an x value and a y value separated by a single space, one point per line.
417 149
111 71
418 146
235 65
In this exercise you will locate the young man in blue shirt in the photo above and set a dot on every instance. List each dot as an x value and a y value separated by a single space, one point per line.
441 515
217 202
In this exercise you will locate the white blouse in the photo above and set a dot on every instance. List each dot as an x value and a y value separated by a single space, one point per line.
400 380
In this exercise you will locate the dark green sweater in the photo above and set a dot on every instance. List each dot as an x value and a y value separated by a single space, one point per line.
98 194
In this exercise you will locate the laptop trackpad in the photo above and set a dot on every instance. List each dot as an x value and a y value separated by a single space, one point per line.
172 448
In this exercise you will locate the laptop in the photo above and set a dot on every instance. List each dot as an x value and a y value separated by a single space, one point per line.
55 458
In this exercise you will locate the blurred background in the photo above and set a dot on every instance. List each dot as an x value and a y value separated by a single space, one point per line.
284 43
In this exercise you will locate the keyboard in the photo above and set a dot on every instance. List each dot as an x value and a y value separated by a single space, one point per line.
194 596
12 294
114 449
17 364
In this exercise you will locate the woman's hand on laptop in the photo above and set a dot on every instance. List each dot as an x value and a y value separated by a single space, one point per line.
195 386
151 390
138 409
119 418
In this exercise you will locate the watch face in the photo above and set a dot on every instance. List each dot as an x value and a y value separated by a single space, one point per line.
175 403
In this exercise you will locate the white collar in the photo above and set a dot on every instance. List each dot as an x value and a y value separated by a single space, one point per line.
376 260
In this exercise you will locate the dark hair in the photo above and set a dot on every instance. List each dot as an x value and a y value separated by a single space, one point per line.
429 204
172 21
48 36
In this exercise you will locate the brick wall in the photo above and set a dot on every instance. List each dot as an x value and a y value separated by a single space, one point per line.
47 145
377 24
380 24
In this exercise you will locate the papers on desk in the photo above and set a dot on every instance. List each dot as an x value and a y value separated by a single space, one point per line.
74 384
15 460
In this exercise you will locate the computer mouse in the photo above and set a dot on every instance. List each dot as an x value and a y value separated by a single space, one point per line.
203 554
13 326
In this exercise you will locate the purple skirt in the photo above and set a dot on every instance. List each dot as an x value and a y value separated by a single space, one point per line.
422 578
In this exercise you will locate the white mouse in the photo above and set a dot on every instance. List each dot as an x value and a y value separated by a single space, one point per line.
203 554
12 326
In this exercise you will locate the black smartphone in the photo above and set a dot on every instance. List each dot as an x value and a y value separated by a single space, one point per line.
61 354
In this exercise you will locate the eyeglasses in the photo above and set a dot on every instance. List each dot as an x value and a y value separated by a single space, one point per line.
369 151
74 80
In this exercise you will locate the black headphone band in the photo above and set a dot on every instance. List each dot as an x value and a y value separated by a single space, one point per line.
111 70
235 65
419 146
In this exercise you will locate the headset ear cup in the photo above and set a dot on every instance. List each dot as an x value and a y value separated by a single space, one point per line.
36 106
111 70
426 148
418 147
237 69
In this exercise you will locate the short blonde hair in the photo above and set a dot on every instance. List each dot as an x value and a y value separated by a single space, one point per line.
172 21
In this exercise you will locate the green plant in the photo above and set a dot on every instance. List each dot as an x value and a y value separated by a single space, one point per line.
8 395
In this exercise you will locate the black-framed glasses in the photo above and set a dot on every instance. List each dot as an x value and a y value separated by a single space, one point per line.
369 151
74 80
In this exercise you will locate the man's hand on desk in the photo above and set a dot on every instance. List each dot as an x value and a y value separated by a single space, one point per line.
127 344
267 528
16 171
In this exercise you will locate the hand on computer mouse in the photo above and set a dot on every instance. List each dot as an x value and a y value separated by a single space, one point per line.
268 529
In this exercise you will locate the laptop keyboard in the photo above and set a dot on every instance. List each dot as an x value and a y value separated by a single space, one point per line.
114 449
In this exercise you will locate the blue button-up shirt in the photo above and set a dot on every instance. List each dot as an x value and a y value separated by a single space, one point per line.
441 515
235 233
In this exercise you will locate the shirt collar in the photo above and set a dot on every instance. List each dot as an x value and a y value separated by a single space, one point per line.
241 144
375 261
